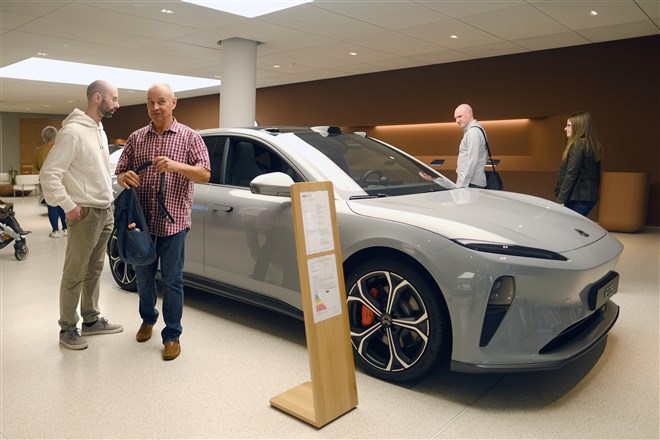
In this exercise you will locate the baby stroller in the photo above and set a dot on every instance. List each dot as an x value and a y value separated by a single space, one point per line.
10 230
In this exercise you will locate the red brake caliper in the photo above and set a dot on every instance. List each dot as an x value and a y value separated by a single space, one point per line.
367 315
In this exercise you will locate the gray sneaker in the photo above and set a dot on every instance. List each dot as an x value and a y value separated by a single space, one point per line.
101 327
71 338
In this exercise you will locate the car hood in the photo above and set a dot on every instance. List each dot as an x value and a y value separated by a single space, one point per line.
491 216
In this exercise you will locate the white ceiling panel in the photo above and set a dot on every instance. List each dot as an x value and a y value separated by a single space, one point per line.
651 8
172 62
309 42
552 41
442 57
388 14
32 8
462 8
620 32
494 50
397 43
401 62
182 14
18 46
440 34
515 23
9 21
342 50
576 14
315 20
116 23
296 59
197 55
90 34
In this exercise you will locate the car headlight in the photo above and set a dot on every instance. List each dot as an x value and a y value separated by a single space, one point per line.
502 292
510 249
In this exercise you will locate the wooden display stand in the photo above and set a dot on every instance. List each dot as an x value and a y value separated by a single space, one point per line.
332 390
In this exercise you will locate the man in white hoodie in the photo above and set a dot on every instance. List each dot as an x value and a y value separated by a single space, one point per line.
76 176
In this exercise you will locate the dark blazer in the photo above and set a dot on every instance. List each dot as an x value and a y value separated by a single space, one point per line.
579 175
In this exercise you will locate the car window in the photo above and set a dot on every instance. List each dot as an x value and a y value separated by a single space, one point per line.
114 147
376 167
249 158
216 147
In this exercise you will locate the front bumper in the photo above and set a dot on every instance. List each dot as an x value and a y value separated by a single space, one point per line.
584 337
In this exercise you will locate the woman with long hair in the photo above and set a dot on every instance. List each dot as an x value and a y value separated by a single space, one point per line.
579 174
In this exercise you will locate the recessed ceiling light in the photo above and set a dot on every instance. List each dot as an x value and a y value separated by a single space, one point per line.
249 9
65 72
353 53
167 11
453 37
593 13
277 66
42 54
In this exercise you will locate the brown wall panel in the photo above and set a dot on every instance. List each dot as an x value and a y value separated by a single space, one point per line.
30 139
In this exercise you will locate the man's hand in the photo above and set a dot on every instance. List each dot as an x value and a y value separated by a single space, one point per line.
75 214
165 164
128 179
425 176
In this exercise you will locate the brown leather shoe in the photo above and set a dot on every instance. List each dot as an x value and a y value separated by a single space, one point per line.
144 334
172 350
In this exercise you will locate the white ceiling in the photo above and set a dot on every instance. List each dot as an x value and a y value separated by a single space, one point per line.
308 42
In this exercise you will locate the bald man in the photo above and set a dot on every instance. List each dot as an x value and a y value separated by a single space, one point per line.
472 153
178 152
76 176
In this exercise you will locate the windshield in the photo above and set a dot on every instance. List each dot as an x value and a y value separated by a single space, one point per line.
378 168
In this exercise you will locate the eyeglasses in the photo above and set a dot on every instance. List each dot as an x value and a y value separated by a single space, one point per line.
115 100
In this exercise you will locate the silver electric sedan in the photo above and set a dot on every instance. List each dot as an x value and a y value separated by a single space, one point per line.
470 279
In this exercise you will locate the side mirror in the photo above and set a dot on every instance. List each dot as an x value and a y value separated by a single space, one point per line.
272 184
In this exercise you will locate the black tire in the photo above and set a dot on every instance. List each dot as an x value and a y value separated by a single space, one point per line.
399 339
123 273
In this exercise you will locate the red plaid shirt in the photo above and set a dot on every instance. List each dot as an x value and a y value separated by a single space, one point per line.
179 143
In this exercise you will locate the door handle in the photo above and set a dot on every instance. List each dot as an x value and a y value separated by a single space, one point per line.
221 208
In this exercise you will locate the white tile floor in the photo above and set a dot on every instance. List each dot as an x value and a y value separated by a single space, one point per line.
236 357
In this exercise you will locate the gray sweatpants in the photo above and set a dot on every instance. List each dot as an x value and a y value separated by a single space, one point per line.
83 264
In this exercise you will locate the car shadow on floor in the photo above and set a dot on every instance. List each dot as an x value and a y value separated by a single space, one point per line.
499 392
257 318
512 391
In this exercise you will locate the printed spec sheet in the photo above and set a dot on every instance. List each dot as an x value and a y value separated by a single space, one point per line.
323 277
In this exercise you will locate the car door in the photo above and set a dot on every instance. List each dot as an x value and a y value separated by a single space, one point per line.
195 240
249 240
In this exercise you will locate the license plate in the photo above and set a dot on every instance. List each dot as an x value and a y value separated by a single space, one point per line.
602 291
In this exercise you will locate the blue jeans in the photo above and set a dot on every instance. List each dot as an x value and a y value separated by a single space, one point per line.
580 207
56 213
170 252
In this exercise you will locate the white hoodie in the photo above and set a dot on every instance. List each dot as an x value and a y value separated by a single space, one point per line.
77 169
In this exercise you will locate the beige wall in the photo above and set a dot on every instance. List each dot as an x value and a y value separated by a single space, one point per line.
618 82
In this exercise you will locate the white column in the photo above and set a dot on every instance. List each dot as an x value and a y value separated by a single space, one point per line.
238 89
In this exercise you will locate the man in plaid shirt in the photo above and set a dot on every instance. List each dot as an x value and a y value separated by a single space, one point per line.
180 153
